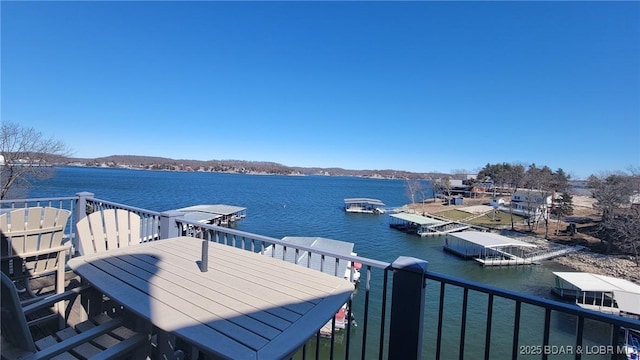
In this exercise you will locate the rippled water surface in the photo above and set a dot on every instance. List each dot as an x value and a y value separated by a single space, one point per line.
279 206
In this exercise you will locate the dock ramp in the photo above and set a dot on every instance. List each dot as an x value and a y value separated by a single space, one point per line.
555 251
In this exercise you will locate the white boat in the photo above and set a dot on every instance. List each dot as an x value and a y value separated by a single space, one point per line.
364 206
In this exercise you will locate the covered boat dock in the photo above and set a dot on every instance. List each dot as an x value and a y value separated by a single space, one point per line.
326 264
599 292
364 205
217 214
487 248
425 226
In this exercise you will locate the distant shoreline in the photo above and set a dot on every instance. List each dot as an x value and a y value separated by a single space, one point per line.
231 171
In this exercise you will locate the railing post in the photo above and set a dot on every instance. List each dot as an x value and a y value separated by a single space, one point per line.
407 308
81 204
81 213
168 226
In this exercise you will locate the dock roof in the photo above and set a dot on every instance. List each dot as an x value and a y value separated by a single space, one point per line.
598 283
334 246
201 216
363 201
490 240
417 219
627 301
626 293
219 209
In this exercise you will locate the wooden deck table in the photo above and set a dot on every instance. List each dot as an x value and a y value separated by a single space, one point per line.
245 306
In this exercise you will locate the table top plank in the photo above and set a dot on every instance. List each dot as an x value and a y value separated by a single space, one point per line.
246 305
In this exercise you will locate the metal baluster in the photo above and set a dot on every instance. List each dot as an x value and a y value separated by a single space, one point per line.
487 339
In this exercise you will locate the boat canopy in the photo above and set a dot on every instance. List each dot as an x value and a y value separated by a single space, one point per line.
374 202
417 219
491 240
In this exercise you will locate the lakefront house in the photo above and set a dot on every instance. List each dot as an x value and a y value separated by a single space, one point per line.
531 203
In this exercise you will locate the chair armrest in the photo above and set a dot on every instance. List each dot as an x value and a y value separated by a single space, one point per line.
50 300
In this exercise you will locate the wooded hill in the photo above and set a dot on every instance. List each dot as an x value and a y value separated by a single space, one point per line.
236 166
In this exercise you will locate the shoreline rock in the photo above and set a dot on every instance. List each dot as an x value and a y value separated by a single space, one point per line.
608 265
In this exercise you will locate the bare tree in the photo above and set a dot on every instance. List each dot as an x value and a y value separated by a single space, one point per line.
413 187
542 184
625 231
562 207
505 176
442 186
613 193
26 154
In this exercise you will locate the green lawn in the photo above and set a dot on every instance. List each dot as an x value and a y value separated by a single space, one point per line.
500 218
454 214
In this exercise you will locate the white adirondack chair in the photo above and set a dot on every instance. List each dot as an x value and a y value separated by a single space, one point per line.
32 246
107 229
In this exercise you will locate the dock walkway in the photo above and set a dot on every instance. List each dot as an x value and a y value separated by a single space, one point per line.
445 228
555 251
429 225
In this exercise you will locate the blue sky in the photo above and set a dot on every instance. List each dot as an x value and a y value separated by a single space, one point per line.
417 86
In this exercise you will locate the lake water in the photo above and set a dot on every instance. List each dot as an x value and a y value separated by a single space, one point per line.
279 206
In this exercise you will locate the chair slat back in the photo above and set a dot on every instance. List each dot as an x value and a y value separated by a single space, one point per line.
108 229
14 324
130 233
29 230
